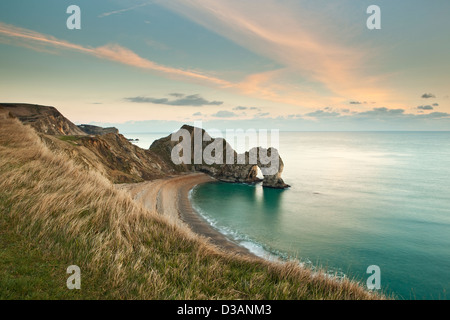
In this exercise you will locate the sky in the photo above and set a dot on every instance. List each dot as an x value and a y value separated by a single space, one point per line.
295 65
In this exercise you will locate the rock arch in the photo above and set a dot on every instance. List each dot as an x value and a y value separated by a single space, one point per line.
242 167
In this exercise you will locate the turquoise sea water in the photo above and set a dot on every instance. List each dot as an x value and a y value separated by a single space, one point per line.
357 199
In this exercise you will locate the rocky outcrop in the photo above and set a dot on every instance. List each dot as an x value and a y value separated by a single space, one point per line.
97 131
228 166
44 119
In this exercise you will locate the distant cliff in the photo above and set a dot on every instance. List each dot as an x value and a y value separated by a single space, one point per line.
95 130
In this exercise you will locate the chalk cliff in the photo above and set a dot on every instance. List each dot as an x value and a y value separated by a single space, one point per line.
230 169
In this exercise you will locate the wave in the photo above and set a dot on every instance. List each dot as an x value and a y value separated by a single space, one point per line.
243 240
259 249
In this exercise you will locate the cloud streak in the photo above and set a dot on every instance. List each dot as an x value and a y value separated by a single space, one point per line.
191 100
377 114
106 14
242 108
224 114
113 52
289 37
427 107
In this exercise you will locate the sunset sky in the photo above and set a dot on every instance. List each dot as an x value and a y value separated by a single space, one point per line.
285 64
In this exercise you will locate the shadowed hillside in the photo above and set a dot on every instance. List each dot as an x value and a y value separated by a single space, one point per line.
108 152
44 119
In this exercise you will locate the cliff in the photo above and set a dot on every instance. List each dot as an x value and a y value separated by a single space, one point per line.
97 131
44 119
227 170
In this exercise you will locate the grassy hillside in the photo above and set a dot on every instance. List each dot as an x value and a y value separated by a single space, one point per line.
112 155
44 119
54 214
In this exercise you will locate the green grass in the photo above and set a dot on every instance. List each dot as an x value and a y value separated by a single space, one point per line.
70 139
28 273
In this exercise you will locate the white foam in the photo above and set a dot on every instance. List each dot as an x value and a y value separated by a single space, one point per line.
256 248
242 240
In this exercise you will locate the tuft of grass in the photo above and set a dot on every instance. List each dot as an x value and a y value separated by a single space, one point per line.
28 273
70 139
55 214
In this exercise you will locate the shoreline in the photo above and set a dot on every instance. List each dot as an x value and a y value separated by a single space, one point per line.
170 197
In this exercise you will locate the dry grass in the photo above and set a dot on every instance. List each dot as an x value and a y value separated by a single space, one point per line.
123 250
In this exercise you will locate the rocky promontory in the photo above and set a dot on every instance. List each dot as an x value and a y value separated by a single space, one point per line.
229 169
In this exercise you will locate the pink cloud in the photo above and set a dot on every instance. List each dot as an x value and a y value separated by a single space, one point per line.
113 52
290 35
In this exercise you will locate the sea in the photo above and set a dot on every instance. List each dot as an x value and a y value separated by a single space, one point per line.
357 199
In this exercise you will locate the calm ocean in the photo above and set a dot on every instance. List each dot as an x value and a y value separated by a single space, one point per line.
357 199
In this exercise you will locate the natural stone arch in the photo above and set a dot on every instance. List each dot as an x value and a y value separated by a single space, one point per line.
272 177
242 168
248 171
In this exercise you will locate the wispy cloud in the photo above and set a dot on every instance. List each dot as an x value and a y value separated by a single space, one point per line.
428 96
242 108
260 115
106 14
291 38
322 114
177 95
191 100
268 85
113 52
224 114
34 40
358 102
382 113
427 107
